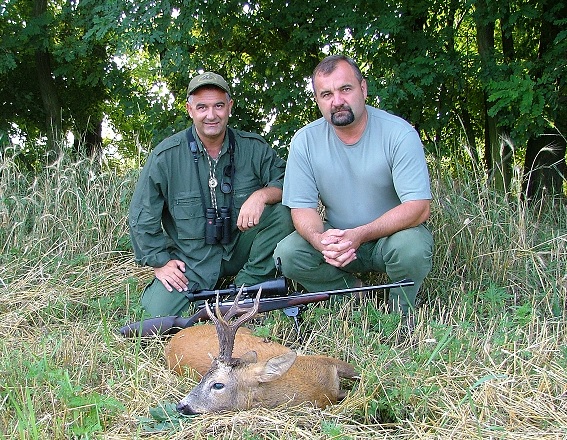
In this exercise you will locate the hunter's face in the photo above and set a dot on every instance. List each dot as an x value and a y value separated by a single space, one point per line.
340 96
210 108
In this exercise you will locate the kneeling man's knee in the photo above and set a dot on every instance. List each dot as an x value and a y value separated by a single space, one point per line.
411 249
158 301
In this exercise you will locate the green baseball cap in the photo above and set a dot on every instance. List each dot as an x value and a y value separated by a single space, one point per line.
207 79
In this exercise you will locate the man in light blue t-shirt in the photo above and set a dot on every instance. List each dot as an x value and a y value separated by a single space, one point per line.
367 168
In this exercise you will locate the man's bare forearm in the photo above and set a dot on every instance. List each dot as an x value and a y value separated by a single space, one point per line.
404 216
252 209
309 225
269 194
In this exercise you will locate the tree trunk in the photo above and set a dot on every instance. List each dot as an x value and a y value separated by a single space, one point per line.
506 32
544 168
49 95
497 150
466 121
460 107
90 142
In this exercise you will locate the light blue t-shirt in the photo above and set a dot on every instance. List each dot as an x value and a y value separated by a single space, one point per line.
360 182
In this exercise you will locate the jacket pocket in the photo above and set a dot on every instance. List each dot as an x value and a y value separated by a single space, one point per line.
189 216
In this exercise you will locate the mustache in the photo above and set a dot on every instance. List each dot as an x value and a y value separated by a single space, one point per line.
340 109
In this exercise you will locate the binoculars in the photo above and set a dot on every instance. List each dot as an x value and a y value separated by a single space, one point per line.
218 228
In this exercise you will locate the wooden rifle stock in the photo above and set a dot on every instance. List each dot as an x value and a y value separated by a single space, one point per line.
169 325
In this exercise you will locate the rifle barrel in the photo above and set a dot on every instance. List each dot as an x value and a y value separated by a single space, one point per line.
268 304
402 283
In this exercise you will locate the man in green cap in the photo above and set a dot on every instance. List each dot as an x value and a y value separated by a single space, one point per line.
207 204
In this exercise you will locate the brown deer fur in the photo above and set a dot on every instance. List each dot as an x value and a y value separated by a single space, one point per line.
194 347
286 379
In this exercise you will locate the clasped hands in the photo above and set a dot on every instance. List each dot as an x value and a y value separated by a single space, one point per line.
339 246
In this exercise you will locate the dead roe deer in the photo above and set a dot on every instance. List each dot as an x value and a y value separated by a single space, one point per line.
249 372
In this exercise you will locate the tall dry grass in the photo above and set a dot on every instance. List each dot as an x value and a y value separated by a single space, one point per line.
488 358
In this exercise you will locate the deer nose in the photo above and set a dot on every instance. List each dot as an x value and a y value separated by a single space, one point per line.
185 409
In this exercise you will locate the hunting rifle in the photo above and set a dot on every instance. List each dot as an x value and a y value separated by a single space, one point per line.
274 297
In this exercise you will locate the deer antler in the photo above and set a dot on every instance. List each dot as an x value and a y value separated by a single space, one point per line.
226 331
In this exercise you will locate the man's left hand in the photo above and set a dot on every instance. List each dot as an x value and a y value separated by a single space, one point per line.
251 211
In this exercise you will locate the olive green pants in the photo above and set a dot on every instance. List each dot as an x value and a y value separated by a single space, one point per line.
405 254
252 262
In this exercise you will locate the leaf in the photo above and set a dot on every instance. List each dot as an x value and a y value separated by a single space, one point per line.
164 412
487 378
164 418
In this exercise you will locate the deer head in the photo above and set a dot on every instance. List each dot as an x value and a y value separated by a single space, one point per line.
232 383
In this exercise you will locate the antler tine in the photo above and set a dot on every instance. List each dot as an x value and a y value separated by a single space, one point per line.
246 313
226 331
235 308
210 313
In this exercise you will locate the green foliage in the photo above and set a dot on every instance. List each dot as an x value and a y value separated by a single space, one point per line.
163 418
130 63
520 101
333 430
87 412
492 300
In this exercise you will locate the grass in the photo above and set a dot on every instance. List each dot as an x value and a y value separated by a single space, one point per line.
488 358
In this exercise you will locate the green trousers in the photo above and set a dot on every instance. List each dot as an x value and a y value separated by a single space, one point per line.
251 262
405 254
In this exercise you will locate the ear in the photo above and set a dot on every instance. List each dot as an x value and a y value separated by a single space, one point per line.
250 357
275 367
364 87
189 109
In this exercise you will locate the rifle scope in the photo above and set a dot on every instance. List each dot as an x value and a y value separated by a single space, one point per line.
276 287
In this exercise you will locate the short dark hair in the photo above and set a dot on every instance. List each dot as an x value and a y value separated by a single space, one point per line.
329 64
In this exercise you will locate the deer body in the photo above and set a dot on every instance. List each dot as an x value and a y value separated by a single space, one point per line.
238 383
194 347
286 379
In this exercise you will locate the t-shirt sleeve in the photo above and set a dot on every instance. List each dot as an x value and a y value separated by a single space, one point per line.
409 168
300 189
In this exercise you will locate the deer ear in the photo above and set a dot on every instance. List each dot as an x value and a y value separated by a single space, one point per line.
250 357
275 367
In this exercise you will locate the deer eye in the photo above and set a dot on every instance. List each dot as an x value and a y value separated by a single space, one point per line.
218 386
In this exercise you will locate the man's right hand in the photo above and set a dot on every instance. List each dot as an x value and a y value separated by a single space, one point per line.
172 276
